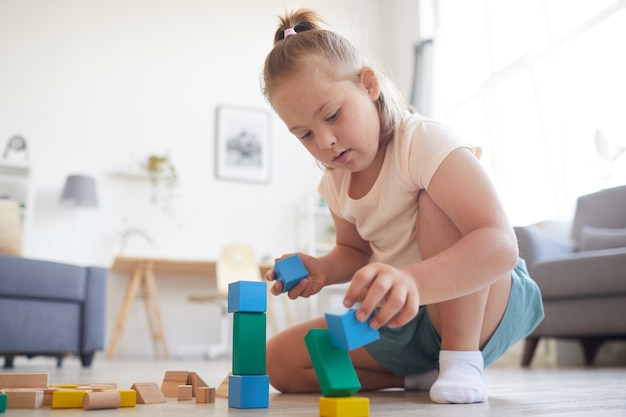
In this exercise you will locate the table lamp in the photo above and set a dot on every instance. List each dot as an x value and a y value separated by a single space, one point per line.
79 192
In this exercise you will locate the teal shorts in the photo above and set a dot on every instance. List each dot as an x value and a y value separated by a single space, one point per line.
414 347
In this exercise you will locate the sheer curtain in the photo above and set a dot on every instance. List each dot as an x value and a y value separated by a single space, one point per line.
541 86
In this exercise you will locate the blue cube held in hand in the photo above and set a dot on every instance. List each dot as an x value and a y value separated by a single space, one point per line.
290 271
346 331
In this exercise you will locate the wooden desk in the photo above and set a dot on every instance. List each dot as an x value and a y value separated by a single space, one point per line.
142 278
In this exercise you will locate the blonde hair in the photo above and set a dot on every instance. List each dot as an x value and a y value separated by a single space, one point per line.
312 47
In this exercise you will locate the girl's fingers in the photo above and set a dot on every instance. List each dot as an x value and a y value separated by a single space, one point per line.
393 304
277 288
374 283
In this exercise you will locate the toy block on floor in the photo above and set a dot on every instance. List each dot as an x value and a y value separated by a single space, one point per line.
47 395
23 380
171 381
196 382
67 398
101 400
23 397
346 331
185 392
289 271
344 407
333 366
249 344
247 297
222 389
128 397
148 393
3 402
248 391
205 395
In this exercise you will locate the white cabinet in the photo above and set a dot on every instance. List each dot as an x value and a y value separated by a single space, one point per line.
15 184
317 227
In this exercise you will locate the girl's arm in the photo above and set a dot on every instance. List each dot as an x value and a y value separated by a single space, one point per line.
487 250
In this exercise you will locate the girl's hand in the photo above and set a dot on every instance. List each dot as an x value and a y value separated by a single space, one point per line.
393 289
308 286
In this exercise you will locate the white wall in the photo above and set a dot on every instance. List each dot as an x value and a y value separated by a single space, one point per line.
94 85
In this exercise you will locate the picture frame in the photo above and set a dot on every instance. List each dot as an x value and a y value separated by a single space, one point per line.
242 144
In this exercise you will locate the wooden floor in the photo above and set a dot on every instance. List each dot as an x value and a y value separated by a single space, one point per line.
589 392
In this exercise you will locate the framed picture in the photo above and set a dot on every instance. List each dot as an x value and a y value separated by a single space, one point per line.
242 144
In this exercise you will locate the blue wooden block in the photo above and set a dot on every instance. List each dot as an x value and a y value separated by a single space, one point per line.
247 297
290 271
346 331
248 391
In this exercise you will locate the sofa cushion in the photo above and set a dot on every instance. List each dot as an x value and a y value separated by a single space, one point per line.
582 275
598 238
38 326
32 278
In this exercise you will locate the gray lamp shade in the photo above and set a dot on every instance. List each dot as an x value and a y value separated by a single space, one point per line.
80 191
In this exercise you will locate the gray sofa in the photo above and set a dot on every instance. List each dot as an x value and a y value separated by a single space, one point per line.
583 277
51 308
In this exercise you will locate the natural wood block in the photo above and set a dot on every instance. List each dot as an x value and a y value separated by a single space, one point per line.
196 382
68 398
24 380
128 397
222 389
249 344
184 392
101 400
47 395
344 407
23 397
205 395
172 380
148 393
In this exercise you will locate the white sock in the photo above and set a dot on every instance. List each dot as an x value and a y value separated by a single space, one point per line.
461 379
420 382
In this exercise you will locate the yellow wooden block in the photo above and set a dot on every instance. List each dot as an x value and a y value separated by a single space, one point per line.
68 398
64 386
344 407
128 397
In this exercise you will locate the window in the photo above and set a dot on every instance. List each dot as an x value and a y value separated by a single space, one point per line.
540 85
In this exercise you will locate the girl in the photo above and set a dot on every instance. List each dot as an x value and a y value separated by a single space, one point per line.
421 235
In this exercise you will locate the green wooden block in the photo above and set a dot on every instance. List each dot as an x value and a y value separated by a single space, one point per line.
249 334
333 366
3 403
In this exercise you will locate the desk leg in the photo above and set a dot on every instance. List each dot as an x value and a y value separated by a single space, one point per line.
154 313
129 297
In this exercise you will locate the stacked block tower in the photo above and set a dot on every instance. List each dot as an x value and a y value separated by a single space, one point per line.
248 386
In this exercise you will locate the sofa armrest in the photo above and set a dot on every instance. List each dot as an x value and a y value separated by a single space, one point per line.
597 273
93 320
536 244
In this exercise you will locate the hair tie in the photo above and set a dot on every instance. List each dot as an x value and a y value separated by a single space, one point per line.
289 32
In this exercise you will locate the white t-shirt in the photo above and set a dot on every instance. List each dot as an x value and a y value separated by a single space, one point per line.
386 216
